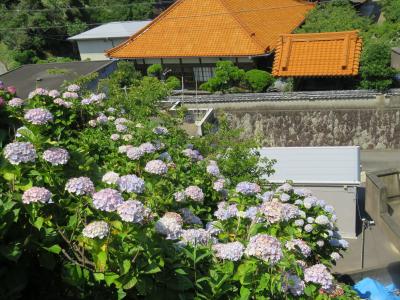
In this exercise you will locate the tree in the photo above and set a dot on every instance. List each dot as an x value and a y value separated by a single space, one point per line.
391 10
227 75
337 15
258 80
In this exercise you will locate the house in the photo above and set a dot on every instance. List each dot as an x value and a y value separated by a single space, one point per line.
53 75
93 43
192 35
330 56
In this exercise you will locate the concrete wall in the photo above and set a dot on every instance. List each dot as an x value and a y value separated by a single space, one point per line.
395 58
372 122
94 49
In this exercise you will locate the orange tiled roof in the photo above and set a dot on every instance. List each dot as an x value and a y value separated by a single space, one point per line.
215 28
318 54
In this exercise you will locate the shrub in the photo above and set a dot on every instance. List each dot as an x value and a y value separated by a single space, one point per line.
375 70
121 210
391 10
258 80
227 75
173 83
154 70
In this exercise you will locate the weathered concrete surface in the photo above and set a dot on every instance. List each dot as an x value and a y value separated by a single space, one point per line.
367 128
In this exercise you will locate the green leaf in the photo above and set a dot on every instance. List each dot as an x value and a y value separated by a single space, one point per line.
101 261
130 284
110 278
152 269
54 249
98 276
11 252
180 271
10 176
120 294
38 223
126 265
244 293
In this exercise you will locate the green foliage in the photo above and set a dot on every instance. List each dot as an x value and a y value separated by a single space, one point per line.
391 10
54 59
376 72
336 15
258 80
227 75
123 77
173 83
154 70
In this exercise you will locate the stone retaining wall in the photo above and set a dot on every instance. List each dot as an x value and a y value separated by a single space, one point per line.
367 119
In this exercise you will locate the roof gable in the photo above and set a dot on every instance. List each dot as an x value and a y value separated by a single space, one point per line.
201 28
318 54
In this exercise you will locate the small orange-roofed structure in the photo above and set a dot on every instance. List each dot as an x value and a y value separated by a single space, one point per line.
192 35
326 54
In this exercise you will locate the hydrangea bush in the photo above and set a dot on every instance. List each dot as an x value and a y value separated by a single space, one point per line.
112 204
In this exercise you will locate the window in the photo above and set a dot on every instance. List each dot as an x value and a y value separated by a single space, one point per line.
202 74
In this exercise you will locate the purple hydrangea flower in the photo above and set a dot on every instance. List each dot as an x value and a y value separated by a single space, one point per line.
121 121
196 237
319 274
121 128
54 93
192 154
212 228
299 244
124 148
284 197
16 102
165 156
36 194
195 193
80 186
335 256
226 211
275 211
38 91
20 152
286 187
180 196
147 148
133 211
170 225
115 137
252 213
70 95
298 202
219 185
61 102
265 247
310 220
157 167
321 220
248 188
107 200
38 116
293 284
102 119
267 196
189 217
73 88
308 228
309 202
110 177
229 251
321 202
134 153
213 170
299 222
56 156
96 229
160 130
330 209
303 192
131 184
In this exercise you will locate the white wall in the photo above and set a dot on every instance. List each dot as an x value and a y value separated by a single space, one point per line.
95 49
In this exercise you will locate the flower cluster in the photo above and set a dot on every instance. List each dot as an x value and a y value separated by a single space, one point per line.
226 211
134 153
157 167
319 274
248 188
38 92
192 154
20 152
36 194
160 130
189 217
56 156
96 229
213 169
194 193
196 237
293 284
107 200
110 177
131 184
265 247
70 95
147 148
229 251
133 211
275 211
38 116
62 102
300 244
16 102
170 225
80 186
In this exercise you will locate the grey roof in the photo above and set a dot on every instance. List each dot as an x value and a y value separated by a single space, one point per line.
111 30
51 75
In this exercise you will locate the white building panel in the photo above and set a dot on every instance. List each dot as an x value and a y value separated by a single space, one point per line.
315 165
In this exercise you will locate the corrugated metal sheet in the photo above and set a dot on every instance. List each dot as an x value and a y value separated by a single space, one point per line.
315 165
111 30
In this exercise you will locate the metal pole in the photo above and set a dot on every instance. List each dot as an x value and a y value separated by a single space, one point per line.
363 242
